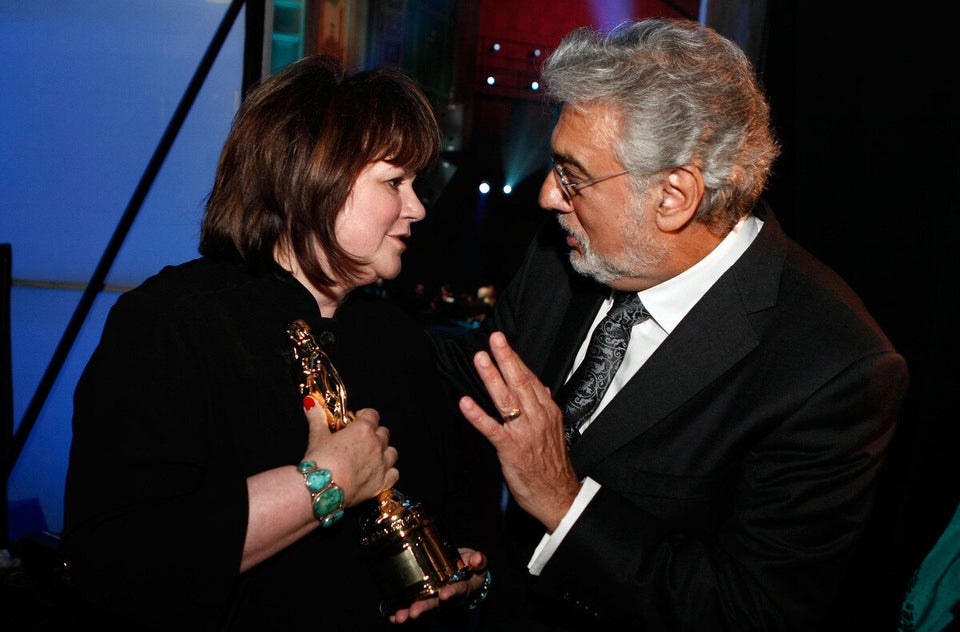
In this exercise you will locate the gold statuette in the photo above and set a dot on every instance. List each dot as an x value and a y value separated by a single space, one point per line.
409 557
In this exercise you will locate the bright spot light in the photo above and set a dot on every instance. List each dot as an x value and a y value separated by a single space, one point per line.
535 85
491 80
496 46
507 189
484 187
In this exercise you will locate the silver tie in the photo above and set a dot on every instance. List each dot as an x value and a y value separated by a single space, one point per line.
582 393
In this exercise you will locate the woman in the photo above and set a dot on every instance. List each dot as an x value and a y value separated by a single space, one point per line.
185 505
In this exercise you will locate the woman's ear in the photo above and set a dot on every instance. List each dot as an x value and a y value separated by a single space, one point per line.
681 192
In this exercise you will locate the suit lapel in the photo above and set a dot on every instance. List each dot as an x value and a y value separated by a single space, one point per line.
583 307
716 334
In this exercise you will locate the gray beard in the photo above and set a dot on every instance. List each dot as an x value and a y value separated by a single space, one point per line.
590 264
630 264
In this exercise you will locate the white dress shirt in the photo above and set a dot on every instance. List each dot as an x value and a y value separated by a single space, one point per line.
667 303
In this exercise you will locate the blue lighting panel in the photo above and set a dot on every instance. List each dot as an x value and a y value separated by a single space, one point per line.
89 90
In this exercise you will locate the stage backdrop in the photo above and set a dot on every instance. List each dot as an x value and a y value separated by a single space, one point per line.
89 89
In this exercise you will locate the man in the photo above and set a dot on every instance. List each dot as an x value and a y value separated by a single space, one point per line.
728 470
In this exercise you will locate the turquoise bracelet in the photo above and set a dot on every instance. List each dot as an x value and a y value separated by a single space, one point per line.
482 594
326 496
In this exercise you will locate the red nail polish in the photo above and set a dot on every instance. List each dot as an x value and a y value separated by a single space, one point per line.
309 402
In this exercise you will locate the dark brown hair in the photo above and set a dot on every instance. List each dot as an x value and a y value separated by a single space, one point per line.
298 143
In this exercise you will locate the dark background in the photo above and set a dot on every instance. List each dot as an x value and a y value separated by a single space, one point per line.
864 106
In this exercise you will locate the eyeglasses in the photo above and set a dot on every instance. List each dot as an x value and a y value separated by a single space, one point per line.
570 189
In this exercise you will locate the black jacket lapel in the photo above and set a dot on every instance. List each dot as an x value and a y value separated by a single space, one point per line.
576 324
715 335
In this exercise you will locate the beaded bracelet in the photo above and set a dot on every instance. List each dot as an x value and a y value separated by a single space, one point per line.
484 591
325 495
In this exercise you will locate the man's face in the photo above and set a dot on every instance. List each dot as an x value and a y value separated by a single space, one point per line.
610 228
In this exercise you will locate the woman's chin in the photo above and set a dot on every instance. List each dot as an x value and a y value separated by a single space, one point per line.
388 274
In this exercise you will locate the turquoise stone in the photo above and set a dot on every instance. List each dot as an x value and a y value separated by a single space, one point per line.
305 466
331 519
328 501
317 480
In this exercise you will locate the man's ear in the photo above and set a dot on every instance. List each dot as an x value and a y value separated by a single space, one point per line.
681 192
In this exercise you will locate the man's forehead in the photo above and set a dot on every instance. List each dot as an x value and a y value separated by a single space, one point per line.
585 132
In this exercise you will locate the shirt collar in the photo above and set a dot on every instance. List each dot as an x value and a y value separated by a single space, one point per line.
669 302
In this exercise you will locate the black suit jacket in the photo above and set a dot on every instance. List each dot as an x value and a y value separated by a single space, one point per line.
738 465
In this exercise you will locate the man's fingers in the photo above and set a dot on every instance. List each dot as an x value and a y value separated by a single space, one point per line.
514 371
502 396
478 418
525 387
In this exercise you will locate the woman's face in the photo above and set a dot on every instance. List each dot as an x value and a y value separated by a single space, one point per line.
376 219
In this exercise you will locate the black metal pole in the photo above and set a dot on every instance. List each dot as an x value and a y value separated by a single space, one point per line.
113 247
6 375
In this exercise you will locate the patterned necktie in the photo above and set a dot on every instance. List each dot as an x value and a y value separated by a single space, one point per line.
582 393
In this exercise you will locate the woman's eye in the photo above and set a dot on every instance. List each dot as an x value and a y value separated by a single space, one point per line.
396 182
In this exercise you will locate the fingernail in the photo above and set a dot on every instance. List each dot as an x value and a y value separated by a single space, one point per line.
483 359
309 402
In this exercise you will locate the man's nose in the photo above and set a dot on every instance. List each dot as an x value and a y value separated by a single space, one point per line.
552 197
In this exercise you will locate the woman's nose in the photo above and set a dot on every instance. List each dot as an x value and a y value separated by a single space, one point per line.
414 208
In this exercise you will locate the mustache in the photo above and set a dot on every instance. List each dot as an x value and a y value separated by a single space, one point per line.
571 231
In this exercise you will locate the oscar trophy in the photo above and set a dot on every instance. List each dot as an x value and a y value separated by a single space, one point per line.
408 556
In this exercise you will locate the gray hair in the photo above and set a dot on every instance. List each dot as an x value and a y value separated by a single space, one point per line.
687 96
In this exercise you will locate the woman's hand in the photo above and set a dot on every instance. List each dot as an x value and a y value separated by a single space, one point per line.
359 456
360 460
455 594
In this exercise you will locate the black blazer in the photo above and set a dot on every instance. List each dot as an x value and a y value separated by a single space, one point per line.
738 466
192 389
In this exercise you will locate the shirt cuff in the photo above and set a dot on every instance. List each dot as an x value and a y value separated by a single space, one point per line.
551 541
